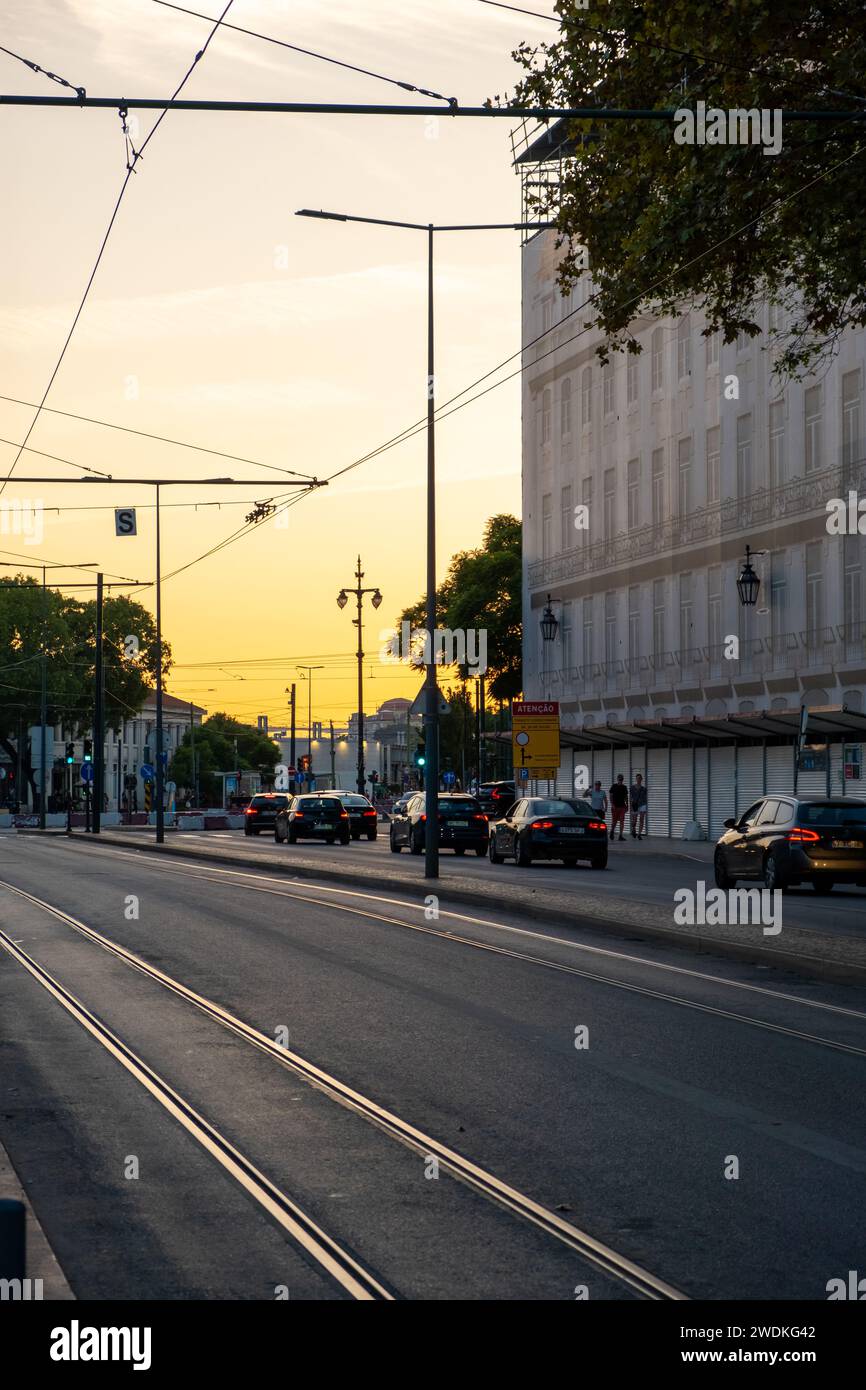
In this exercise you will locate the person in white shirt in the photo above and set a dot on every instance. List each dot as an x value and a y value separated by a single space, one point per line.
598 800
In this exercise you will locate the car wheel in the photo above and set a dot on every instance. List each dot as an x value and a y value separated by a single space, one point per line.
344 839
293 839
416 845
277 836
570 862
480 850
720 873
823 885
600 861
356 836
459 849
774 879
491 852
522 856
329 839
395 848
371 835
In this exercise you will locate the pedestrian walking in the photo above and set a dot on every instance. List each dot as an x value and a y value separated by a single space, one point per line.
598 800
638 799
618 803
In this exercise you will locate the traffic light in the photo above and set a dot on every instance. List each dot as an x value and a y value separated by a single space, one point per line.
304 762
88 750
421 754
70 754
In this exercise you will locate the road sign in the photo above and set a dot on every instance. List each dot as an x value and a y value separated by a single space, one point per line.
419 704
124 521
87 773
535 736
146 772
171 787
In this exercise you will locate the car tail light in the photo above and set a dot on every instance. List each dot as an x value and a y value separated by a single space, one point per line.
422 817
369 813
478 816
251 811
344 815
299 815
597 825
542 825
801 836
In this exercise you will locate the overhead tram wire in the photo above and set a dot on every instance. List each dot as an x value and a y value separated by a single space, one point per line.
130 170
35 67
160 438
309 53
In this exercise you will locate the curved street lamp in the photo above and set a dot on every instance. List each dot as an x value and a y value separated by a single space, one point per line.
549 621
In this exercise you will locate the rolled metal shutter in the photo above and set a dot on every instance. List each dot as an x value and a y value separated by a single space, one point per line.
722 805
681 790
564 777
702 784
750 778
604 767
780 769
837 769
657 792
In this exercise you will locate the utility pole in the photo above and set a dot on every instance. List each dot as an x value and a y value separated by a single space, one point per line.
292 740
342 600
333 757
482 716
43 705
98 714
192 757
160 779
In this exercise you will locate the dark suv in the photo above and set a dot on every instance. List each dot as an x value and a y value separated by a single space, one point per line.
313 817
784 840
496 797
261 813
462 825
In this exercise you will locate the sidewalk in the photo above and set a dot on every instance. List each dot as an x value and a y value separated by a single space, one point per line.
817 955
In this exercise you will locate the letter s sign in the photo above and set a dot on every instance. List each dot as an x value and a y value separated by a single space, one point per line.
124 521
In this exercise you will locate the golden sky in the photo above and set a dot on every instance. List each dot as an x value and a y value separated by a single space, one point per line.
220 319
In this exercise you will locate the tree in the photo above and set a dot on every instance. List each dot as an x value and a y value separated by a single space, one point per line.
718 225
482 591
30 616
223 744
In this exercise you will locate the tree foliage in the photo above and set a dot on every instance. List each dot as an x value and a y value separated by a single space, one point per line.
215 752
718 225
482 590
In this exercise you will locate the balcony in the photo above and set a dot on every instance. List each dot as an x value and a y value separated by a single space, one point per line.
730 517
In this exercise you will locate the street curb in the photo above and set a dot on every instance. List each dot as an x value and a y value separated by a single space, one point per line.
42 1263
812 967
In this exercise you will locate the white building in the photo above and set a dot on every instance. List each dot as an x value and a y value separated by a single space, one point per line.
681 456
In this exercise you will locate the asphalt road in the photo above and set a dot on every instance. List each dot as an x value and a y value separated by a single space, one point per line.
637 872
465 1030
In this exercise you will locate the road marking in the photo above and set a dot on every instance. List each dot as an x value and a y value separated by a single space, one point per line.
203 870
338 1263
602 1256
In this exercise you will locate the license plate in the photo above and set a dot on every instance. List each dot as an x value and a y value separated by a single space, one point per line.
846 844
322 825
460 824
572 830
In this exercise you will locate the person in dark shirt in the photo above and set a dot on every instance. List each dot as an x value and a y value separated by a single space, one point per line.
618 803
637 796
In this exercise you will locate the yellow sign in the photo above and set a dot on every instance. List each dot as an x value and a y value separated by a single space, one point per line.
535 736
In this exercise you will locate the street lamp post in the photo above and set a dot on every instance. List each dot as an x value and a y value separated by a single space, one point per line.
342 600
431 693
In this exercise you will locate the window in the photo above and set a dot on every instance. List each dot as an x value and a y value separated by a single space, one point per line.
851 441
769 813
776 452
658 620
610 632
565 407
713 341
657 354
607 382
546 525
588 640
684 476
631 378
567 637
684 347
586 396
750 817
634 627
686 617
633 473
714 465
813 415
545 415
714 612
778 603
658 486
853 595
566 515
744 455
775 318
547 313
586 501
814 594
609 503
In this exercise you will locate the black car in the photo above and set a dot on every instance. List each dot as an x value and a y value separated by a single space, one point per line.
783 841
261 813
542 828
496 797
462 824
313 817
363 817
